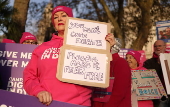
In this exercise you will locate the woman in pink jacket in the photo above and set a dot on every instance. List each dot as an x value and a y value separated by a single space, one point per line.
133 59
40 74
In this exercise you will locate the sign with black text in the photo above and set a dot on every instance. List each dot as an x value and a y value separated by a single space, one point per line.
83 67
85 55
86 33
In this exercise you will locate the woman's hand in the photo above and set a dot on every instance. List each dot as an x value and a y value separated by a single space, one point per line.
110 38
44 97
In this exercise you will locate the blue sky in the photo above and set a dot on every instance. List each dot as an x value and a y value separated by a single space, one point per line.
38 1
12 1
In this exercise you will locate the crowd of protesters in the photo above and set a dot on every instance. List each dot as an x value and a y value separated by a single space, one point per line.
40 81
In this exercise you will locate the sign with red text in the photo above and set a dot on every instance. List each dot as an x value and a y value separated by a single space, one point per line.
147 85
165 63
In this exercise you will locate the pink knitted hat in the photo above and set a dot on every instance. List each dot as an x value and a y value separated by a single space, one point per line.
7 41
27 36
135 54
61 8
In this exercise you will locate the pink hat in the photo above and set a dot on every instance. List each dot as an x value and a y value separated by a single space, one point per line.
135 54
61 8
27 36
7 41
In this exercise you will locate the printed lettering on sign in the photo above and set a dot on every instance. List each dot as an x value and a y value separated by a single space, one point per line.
16 85
13 59
3 105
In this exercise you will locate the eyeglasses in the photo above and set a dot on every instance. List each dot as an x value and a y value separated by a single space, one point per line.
158 46
30 42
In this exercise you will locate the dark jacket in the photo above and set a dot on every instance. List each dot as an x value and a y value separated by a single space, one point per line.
153 64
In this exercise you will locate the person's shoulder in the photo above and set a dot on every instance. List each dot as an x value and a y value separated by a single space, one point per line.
150 60
42 46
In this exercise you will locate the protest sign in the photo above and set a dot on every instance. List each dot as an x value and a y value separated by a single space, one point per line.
85 55
13 60
9 99
143 56
87 33
147 84
165 63
84 67
163 30
122 53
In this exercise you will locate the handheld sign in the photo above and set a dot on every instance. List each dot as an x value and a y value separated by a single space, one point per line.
85 56
86 33
147 84
165 63
83 67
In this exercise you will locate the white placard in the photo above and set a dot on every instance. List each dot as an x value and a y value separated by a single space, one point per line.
86 34
84 66
163 57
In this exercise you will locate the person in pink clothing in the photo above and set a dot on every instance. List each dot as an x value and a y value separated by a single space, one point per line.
28 38
40 74
7 41
133 59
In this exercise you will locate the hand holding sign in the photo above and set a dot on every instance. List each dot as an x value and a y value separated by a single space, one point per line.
85 55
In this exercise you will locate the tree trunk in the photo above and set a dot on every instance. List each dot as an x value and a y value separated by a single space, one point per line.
97 9
117 29
142 37
21 15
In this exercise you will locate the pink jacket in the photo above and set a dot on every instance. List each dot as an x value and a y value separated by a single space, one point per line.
40 75
144 103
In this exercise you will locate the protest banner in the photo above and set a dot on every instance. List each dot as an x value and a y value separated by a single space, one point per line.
85 55
147 84
10 99
165 63
122 53
143 56
163 30
13 60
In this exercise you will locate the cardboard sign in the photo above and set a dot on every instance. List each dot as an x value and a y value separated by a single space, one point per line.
9 99
83 67
134 99
147 84
13 59
86 33
165 63
85 55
